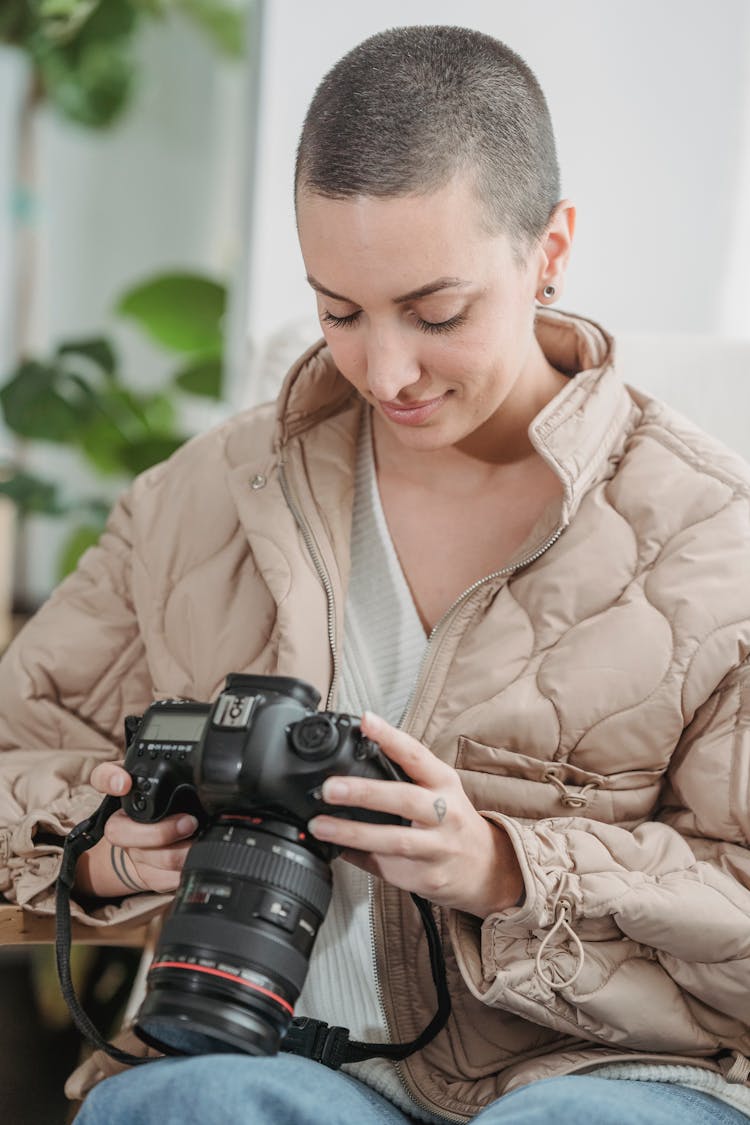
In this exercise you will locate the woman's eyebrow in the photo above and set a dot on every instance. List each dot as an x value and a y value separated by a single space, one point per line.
413 295
431 287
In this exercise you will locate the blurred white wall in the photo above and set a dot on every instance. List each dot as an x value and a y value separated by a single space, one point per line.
11 87
651 107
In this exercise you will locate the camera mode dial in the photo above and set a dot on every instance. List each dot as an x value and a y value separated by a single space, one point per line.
314 737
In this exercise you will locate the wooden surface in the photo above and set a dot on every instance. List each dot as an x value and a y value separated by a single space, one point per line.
19 927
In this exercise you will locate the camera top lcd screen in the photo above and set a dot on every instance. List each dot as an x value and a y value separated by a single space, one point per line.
174 726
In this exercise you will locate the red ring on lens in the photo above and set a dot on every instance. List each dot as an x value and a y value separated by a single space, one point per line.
225 976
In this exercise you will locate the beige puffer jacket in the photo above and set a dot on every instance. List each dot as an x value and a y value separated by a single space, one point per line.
594 696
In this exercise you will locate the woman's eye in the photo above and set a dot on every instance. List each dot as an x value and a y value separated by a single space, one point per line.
435 327
339 321
431 327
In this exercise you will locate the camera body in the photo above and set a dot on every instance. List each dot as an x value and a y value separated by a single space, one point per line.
260 746
234 950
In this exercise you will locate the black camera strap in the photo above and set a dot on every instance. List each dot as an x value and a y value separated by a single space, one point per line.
332 1045
311 1038
78 841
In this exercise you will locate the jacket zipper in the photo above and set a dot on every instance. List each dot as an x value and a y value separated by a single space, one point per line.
404 725
411 1097
312 547
430 648
319 565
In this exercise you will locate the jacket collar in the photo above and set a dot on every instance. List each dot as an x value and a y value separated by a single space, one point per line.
582 427
576 433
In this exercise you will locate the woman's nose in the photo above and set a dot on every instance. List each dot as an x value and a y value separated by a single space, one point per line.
392 365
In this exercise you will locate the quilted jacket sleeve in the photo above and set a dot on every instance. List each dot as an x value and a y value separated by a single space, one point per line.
66 683
636 939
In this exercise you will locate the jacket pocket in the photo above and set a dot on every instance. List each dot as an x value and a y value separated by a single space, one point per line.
501 780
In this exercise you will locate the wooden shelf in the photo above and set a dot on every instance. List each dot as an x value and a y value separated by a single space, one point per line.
20 927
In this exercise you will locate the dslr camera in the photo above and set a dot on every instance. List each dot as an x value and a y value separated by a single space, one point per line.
234 950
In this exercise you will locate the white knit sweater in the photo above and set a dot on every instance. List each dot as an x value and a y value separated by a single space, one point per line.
383 646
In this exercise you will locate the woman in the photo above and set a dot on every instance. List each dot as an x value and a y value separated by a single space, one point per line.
533 581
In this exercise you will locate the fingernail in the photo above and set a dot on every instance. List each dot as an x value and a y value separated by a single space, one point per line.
117 785
334 787
186 825
321 829
370 718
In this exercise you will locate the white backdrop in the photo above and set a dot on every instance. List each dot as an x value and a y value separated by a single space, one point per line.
651 105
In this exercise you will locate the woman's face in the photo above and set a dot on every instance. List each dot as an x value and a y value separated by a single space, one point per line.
425 313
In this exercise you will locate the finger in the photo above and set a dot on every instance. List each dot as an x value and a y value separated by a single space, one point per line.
110 778
415 759
424 807
380 839
127 833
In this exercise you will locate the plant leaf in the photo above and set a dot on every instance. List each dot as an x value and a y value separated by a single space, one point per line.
101 443
89 77
201 377
32 494
223 22
159 414
34 407
98 349
119 419
63 19
181 311
15 21
92 86
156 8
141 455
111 20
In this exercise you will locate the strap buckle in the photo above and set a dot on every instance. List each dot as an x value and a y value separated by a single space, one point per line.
316 1040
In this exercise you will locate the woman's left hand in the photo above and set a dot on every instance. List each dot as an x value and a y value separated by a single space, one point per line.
448 854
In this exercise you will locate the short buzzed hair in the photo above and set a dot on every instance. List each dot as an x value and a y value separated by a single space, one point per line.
409 108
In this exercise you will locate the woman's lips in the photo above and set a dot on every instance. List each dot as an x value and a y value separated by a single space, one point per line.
412 413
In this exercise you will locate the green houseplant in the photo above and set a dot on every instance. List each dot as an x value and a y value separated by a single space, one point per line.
81 51
79 397
81 60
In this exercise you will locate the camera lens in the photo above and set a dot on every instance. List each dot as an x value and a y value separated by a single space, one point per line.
235 949
315 736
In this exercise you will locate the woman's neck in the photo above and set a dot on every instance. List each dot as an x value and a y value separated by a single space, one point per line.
499 448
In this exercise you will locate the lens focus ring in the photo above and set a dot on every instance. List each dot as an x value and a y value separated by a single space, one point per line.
262 866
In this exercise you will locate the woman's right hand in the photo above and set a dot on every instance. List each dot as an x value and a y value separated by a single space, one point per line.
132 857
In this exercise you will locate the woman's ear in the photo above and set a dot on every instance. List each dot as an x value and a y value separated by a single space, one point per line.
555 248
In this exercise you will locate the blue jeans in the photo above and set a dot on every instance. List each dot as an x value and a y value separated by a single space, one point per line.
287 1090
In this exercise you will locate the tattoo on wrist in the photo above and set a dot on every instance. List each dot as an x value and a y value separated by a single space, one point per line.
117 858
